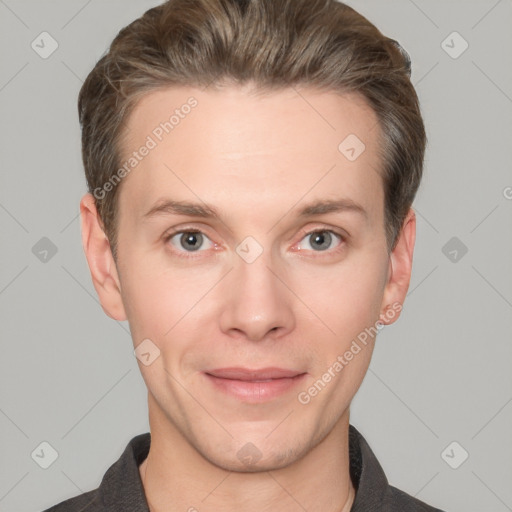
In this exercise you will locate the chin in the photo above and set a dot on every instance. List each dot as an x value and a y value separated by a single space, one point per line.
255 455
253 462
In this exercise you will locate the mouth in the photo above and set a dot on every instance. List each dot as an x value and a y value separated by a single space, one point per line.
254 386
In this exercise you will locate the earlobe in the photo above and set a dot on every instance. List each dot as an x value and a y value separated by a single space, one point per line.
100 260
399 273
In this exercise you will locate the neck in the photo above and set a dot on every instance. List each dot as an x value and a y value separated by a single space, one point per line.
176 477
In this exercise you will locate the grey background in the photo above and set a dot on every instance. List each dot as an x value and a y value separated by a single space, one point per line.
441 374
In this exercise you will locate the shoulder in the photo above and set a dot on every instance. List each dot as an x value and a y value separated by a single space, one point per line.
400 501
120 488
373 490
86 502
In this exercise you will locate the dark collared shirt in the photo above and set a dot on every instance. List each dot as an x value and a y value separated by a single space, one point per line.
121 488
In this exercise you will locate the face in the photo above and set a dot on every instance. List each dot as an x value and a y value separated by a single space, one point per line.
251 238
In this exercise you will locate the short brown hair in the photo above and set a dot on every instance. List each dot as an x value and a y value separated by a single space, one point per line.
275 44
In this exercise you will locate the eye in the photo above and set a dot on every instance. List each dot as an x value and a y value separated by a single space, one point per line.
320 240
189 241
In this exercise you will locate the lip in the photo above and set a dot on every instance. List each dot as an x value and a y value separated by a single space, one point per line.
254 385
246 374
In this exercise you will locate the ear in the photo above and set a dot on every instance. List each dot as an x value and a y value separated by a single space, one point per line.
100 260
399 273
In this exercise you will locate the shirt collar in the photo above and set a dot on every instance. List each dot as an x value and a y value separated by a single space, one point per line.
366 473
121 487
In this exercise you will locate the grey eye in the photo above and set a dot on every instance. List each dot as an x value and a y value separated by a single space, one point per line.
320 240
191 241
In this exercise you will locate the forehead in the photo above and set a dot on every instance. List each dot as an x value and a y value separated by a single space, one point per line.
230 108
237 141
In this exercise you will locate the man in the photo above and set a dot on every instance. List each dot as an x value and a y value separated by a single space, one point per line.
251 168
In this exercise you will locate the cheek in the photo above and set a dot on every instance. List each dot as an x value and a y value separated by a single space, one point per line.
158 299
148 298
345 297
347 301
338 299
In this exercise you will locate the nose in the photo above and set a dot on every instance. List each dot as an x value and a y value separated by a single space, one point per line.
256 301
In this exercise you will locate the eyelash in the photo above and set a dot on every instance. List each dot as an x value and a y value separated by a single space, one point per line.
304 234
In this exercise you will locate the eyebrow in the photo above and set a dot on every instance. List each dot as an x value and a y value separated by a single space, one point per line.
172 207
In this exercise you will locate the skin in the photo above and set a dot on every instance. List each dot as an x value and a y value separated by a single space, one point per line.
258 160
